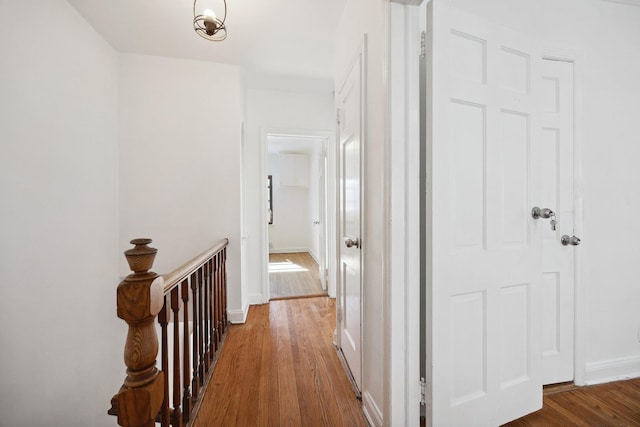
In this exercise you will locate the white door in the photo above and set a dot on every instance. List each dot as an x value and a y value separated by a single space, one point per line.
322 216
350 128
484 249
557 194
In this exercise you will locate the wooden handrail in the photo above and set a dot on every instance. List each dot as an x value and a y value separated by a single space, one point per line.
172 279
190 305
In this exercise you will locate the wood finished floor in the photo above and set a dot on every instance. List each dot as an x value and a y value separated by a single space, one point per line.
294 275
604 405
281 369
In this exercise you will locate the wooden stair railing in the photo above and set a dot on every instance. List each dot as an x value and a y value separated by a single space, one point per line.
191 306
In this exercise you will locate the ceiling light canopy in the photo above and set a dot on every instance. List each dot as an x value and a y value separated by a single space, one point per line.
209 26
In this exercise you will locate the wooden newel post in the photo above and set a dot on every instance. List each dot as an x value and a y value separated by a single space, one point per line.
140 299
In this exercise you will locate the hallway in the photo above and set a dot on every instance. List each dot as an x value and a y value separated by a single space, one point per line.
281 368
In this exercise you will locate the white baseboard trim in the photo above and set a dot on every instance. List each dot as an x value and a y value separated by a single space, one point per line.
613 370
315 257
256 299
238 316
371 411
287 250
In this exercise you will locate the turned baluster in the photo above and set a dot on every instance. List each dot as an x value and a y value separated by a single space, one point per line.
163 320
212 310
139 300
176 419
207 315
200 328
195 389
216 278
225 321
186 363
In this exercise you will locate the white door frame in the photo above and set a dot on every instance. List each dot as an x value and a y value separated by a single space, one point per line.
329 137
402 393
323 195
575 56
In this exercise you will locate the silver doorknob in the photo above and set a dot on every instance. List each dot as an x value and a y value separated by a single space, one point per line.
538 213
570 240
351 242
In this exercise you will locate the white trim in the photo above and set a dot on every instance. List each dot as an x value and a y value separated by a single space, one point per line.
314 256
371 411
265 132
605 371
291 250
255 298
402 394
238 316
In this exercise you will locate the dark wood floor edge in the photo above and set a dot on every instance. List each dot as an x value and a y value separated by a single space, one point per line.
324 294
205 386
550 389
347 371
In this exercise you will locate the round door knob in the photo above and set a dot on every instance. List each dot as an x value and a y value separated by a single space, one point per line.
351 242
570 240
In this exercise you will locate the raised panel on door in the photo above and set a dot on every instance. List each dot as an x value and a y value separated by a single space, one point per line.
485 251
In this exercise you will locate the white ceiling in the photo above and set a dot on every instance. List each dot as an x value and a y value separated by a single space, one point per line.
276 37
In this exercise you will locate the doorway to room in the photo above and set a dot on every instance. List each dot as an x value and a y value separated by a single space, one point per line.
296 194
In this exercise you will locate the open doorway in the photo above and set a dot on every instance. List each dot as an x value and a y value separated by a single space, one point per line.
296 194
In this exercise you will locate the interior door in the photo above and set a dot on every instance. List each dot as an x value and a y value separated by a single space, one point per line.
558 194
322 215
350 128
484 249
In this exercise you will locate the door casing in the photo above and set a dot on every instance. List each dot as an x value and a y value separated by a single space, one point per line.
329 137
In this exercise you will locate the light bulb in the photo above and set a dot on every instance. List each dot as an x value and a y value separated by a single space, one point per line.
209 15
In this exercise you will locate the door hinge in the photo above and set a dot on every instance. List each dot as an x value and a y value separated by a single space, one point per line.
339 314
337 115
423 392
423 44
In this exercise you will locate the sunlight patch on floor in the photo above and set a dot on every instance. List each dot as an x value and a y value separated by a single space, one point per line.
285 267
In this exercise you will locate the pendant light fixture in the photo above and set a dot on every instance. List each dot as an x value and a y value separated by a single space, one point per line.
207 25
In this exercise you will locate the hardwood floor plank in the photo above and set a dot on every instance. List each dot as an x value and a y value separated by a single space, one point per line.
604 405
281 369
293 275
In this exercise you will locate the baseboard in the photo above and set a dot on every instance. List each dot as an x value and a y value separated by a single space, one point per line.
238 316
371 410
292 250
256 299
613 370
314 256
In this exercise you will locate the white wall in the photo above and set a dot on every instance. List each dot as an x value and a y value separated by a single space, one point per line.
291 217
180 132
269 109
61 343
360 17
605 36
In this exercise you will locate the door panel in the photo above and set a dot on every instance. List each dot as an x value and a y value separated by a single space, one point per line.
350 288
484 275
558 194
